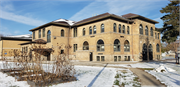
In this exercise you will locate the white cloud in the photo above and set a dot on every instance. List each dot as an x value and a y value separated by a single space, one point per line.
119 7
20 18
7 12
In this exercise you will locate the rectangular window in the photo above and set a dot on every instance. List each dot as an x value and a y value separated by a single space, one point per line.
125 58
44 32
102 58
115 58
119 58
75 47
22 49
39 33
26 49
75 32
98 58
33 34
129 58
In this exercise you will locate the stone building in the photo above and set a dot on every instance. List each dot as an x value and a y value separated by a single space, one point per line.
8 43
105 37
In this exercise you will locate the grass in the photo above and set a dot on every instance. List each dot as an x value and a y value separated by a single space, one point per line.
117 76
116 82
136 79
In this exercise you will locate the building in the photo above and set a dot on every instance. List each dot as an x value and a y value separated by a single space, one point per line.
8 43
105 37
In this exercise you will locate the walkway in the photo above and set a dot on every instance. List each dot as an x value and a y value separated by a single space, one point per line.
146 79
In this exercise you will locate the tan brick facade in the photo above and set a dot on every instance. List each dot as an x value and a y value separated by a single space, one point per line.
134 40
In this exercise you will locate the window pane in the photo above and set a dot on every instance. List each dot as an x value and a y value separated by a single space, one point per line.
115 58
90 30
39 33
114 27
102 28
94 29
119 28
119 58
98 58
102 58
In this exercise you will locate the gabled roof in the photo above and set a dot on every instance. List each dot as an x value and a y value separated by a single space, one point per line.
99 17
134 16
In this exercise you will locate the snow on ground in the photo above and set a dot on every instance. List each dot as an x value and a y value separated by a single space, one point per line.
86 76
171 79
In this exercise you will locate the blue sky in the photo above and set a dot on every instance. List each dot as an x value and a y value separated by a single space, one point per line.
17 17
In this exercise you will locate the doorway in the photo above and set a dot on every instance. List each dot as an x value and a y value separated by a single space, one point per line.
91 56
48 56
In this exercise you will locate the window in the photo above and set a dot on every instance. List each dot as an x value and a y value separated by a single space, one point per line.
85 45
125 58
98 58
75 32
62 33
144 47
119 28
126 46
49 36
129 58
123 29
22 49
157 48
115 58
94 29
158 35
155 36
102 28
39 33
75 47
33 34
151 31
84 31
44 32
62 51
146 30
102 58
141 29
90 30
100 45
114 27
128 32
116 45
150 48
119 58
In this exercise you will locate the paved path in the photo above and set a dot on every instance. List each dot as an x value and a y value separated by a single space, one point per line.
146 79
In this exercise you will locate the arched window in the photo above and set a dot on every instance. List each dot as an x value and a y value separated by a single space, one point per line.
90 30
33 34
39 33
100 45
144 47
123 29
146 30
126 46
84 31
62 33
155 36
151 31
158 36
141 29
94 29
150 48
119 28
102 28
85 45
128 32
157 48
114 27
49 36
117 45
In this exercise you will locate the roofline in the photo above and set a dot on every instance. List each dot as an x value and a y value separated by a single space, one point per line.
144 18
107 16
48 24
15 38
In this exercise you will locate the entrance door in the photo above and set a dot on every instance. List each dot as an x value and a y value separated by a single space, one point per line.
48 56
150 52
91 56
144 51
